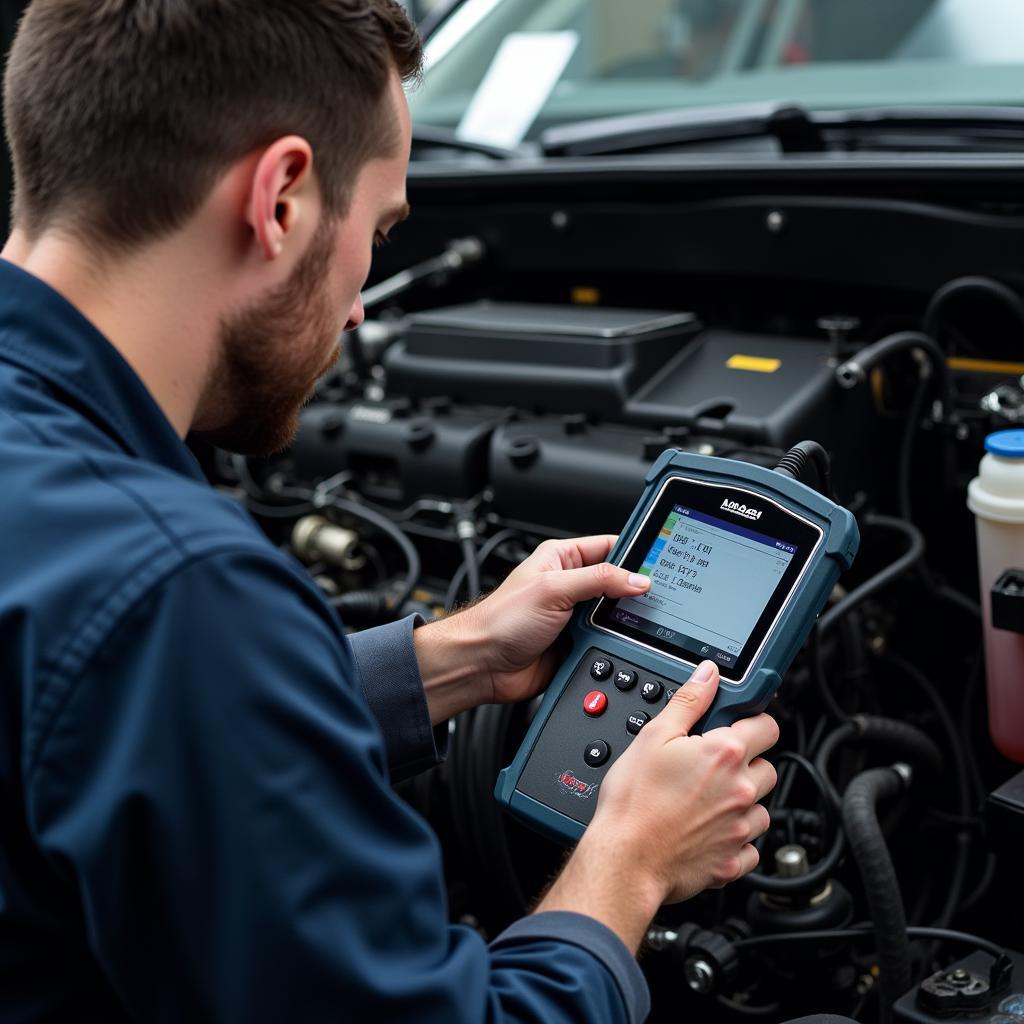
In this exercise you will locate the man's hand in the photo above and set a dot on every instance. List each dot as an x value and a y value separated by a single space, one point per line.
500 649
676 814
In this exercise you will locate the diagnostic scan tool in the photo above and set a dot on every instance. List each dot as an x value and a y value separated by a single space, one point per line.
741 560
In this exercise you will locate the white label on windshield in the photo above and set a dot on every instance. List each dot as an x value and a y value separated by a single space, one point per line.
522 76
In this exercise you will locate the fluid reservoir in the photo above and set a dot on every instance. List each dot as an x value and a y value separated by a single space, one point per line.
996 497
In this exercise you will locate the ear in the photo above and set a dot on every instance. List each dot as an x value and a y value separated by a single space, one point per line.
281 193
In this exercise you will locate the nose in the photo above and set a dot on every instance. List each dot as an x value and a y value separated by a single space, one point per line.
356 314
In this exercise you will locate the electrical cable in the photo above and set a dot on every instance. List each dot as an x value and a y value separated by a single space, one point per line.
812 772
472 566
780 795
914 931
959 285
907 447
909 558
833 708
485 552
465 529
293 511
913 554
810 882
412 558
804 456
961 776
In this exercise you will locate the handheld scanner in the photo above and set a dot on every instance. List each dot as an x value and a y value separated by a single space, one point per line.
741 560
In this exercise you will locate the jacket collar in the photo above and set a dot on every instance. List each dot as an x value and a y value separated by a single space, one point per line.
45 334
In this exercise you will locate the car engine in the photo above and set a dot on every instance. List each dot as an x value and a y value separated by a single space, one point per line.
537 334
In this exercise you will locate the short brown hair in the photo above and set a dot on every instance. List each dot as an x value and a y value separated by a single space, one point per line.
122 114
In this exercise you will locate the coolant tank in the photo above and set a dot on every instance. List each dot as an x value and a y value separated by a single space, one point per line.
996 497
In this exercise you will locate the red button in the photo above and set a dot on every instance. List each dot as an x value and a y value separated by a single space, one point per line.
594 703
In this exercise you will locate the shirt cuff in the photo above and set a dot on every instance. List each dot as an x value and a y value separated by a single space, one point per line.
598 940
385 657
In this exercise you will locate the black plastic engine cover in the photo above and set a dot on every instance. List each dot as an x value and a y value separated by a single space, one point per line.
398 453
751 388
580 478
536 357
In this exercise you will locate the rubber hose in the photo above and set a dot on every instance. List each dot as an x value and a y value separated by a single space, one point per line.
871 854
892 735
858 367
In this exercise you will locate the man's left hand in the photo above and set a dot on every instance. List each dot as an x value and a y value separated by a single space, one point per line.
499 650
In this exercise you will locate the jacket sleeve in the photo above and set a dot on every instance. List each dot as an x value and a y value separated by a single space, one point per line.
385 659
215 793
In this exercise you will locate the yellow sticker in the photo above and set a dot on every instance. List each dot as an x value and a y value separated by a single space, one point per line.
757 364
586 296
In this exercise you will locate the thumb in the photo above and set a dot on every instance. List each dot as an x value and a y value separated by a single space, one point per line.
690 701
570 586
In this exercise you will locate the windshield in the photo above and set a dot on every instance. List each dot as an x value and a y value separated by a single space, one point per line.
501 71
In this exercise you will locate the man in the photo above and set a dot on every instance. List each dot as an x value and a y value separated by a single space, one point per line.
197 822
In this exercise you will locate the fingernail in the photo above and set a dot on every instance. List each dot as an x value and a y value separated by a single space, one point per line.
703 672
638 580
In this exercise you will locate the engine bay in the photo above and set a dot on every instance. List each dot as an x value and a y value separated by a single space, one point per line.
537 335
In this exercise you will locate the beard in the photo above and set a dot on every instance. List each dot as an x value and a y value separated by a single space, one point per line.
271 356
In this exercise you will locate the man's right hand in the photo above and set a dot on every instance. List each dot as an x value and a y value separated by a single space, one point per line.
676 814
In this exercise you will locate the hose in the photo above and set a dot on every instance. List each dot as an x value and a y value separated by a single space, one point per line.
963 284
871 854
891 735
856 369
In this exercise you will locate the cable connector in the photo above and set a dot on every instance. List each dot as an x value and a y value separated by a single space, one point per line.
809 463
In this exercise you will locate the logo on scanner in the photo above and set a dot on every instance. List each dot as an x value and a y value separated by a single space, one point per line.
578 788
741 510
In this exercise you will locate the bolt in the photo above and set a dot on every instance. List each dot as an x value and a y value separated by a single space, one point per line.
838 326
559 220
791 861
700 975
661 938
775 222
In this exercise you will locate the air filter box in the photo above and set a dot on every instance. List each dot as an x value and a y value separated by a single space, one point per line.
544 358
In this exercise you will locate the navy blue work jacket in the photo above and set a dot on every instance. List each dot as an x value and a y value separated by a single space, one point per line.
196 818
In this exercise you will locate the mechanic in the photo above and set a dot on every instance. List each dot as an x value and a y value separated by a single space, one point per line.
197 820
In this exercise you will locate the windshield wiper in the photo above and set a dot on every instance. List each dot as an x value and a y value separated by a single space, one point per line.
791 125
947 127
794 129
445 138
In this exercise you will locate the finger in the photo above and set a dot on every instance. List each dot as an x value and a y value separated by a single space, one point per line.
758 734
571 586
758 821
577 552
749 859
689 702
764 776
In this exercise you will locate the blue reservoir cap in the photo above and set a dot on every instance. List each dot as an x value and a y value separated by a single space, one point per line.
1008 444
